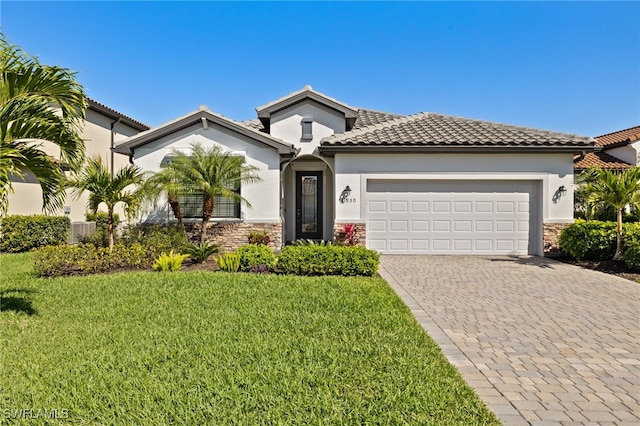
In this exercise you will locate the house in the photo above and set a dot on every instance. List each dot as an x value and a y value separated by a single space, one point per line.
423 183
102 128
617 151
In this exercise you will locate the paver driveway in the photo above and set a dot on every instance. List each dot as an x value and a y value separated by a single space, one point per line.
541 342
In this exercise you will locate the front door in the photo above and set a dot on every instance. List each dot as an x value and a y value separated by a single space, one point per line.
309 205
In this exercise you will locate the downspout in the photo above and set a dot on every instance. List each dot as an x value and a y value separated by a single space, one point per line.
113 125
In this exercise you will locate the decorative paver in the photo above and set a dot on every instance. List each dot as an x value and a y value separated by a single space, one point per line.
541 342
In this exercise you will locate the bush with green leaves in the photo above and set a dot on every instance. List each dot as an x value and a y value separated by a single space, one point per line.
156 238
169 262
23 233
253 255
328 260
229 262
595 240
591 240
631 255
83 259
100 237
200 252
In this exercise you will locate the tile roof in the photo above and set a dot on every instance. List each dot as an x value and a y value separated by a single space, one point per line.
599 159
110 112
368 117
365 117
427 129
631 134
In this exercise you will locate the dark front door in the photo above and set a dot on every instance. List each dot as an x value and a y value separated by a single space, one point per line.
309 205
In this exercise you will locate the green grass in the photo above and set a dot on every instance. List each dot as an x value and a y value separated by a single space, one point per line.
217 348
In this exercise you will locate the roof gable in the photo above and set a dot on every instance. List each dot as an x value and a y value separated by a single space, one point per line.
306 93
203 116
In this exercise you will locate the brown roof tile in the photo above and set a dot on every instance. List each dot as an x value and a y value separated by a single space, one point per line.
621 137
599 159
427 129
110 112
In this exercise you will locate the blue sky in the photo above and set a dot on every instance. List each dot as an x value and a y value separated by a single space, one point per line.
571 67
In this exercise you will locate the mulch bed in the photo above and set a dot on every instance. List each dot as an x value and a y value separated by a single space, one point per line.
612 267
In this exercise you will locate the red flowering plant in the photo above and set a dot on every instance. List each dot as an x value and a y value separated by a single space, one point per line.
350 237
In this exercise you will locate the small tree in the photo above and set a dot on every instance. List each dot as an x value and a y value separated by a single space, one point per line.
617 189
110 190
210 172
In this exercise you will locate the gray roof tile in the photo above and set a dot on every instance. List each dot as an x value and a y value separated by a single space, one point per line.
427 129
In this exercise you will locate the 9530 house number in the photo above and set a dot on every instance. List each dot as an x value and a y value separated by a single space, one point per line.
347 200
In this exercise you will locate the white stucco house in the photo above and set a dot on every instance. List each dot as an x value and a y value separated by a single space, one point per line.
424 183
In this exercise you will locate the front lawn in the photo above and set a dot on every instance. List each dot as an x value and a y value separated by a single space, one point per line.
216 348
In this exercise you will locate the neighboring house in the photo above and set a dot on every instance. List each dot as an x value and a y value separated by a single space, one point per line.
424 183
617 151
100 125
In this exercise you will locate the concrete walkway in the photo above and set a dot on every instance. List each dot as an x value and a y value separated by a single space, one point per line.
541 342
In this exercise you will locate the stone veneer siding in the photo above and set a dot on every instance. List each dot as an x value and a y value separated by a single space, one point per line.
551 233
231 235
361 233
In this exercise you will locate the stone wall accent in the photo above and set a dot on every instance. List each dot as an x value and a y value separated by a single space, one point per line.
551 233
361 233
231 235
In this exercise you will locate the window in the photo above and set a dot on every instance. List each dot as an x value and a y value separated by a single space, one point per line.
224 207
307 132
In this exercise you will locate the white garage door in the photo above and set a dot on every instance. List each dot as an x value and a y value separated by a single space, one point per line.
451 217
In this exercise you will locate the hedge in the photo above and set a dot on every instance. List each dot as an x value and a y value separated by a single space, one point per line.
328 260
596 240
23 233
83 259
254 255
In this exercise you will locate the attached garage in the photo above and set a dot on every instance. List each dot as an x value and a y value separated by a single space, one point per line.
453 217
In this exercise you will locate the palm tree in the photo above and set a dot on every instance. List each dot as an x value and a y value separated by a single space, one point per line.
164 182
96 178
210 172
38 103
617 189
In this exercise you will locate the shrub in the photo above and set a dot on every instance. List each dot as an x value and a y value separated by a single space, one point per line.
54 261
100 238
23 233
595 240
169 262
631 255
262 238
200 252
309 242
592 240
260 269
229 262
156 238
328 260
254 255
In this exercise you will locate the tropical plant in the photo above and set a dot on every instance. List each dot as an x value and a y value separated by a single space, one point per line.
261 237
38 103
229 262
617 189
169 262
200 252
164 182
210 172
110 190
